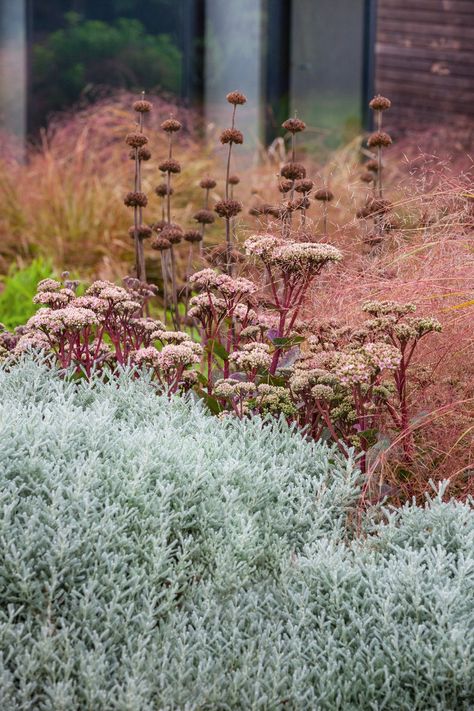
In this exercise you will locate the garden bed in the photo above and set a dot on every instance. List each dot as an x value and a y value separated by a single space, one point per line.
155 557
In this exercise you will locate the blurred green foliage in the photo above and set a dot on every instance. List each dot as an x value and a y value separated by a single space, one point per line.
17 290
87 54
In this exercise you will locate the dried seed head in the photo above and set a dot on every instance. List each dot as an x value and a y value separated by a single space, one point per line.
285 186
234 180
236 98
323 194
204 217
228 208
160 225
171 125
160 243
293 171
143 231
372 165
173 233
207 183
136 139
379 138
304 186
193 236
298 204
144 154
380 103
367 176
294 125
135 199
162 190
231 135
142 106
219 256
170 166
378 206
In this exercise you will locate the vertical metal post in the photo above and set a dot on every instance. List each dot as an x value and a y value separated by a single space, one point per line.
369 65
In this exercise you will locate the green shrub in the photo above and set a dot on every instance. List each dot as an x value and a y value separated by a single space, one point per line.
18 289
153 557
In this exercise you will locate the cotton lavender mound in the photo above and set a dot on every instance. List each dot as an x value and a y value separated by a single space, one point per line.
153 557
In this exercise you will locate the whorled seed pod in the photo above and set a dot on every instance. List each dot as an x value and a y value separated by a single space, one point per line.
304 186
170 166
136 139
293 171
171 125
159 226
207 183
142 106
372 165
284 186
231 135
173 233
204 217
135 199
220 256
234 180
144 153
294 125
160 243
236 98
228 208
162 190
367 176
379 138
143 231
193 236
378 206
380 103
324 194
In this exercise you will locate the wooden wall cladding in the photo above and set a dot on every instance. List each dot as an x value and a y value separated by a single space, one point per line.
424 59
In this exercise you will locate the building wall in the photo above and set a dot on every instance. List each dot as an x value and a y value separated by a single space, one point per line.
424 59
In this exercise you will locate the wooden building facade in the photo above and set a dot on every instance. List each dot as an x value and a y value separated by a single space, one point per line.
424 60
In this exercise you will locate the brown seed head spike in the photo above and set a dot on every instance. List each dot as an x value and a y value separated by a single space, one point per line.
372 165
170 166
323 194
163 190
143 231
142 106
285 186
228 208
304 186
171 125
160 244
173 233
135 199
204 217
379 138
231 135
236 98
144 154
380 103
294 125
234 180
207 183
135 139
193 236
293 171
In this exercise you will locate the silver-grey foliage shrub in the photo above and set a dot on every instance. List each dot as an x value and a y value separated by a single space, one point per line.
154 557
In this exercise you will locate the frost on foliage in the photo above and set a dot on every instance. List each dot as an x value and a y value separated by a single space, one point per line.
153 557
